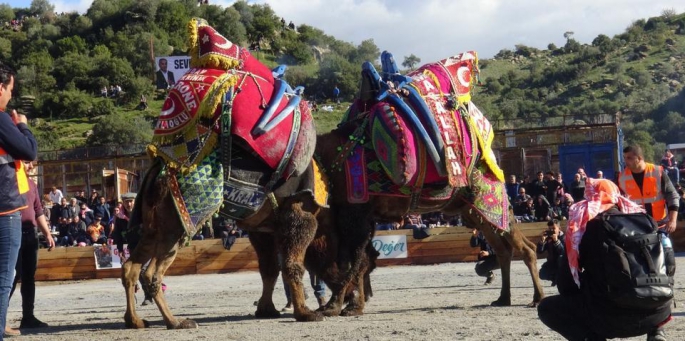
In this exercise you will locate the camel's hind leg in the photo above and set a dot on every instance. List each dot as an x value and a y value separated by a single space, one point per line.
265 246
129 277
526 249
504 244
296 230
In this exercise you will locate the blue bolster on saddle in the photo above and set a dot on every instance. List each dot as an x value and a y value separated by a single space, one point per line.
279 71
409 114
292 104
426 115
280 87
371 75
388 65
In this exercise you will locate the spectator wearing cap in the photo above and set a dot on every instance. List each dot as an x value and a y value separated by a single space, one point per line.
552 242
96 231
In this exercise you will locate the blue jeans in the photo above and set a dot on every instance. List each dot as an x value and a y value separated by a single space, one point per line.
10 241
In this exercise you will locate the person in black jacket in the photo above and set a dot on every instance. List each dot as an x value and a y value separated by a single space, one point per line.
552 242
487 261
582 313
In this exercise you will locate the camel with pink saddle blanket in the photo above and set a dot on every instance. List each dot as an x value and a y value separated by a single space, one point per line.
416 143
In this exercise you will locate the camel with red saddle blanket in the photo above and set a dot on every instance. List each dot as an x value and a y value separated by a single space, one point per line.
234 139
416 144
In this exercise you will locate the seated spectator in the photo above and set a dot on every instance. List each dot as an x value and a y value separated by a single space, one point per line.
413 221
65 238
77 230
96 231
229 237
578 188
542 209
487 260
553 243
527 211
86 214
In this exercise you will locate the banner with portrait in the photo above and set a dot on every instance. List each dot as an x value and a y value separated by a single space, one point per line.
170 69
108 257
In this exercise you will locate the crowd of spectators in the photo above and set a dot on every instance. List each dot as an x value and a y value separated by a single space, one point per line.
546 197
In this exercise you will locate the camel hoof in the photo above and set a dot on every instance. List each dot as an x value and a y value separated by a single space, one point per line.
309 317
329 311
532 304
501 302
267 313
352 312
186 324
139 324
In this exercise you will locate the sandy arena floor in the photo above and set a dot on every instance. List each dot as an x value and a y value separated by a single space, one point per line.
439 302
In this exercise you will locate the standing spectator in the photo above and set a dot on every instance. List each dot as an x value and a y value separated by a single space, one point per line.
578 188
121 218
336 94
512 188
487 260
645 184
94 199
31 218
670 167
102 208
583 176
553 187
80 197
539 186
600 174
56 196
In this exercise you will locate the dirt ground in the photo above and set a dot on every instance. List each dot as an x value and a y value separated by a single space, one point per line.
438 302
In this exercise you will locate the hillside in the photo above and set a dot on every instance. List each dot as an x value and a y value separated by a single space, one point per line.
63 60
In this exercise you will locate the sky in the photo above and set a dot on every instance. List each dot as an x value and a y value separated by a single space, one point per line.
436 29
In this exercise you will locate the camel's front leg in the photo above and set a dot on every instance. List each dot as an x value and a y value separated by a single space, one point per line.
296 230
129 276
267 253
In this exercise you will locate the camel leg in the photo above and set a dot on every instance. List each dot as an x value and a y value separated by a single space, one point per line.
503 250
353 243
357 301
296 231
154 284
129 277
527 249
265 246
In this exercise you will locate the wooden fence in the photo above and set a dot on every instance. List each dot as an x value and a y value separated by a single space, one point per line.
446 244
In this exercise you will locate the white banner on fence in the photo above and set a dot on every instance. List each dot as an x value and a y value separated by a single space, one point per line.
107 256
391 246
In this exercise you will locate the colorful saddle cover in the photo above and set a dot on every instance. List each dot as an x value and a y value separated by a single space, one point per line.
225 74
429 109
226 95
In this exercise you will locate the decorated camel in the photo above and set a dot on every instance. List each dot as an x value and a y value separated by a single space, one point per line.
234 138
417 144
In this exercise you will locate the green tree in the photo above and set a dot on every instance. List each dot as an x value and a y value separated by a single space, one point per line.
6 13
41 7
411 61
366 51
117 129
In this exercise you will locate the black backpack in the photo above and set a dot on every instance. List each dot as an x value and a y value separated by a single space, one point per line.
634 262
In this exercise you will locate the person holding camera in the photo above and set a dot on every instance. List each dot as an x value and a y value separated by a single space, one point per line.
552 242
487 261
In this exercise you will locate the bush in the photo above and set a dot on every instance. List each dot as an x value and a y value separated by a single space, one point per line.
67 104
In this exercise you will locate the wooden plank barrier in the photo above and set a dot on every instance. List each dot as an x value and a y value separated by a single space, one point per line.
445 244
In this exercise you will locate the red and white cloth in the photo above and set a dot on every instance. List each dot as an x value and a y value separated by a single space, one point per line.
600 195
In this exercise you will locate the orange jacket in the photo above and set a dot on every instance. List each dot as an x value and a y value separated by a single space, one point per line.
20 175
651 192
